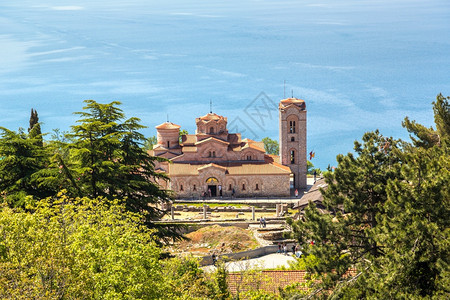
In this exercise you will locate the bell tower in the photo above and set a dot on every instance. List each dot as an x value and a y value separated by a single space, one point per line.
292 118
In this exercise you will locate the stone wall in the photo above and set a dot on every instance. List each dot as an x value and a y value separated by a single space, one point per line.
244 186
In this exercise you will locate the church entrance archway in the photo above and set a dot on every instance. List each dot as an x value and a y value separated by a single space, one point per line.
213 189
212 183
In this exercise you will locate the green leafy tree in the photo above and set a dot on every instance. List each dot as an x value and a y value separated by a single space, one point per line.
271 146
311 169
77 249
182 132
65 248
150 142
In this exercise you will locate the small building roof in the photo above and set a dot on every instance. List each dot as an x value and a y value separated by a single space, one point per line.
292 101
253 146
188 139
168 125
212 139
212 165
313 194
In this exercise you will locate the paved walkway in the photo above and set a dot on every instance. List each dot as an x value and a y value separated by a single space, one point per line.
270 261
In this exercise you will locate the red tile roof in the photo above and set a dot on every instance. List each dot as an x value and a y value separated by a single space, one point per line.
211 139
268 281
292 101
211 116
168 125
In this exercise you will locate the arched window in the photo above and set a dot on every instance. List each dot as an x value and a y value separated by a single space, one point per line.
229 187
291 126
214 154
168 144
292 156
181 187
249 157
195 188
210 154
243 186
257 187
292 139
211 130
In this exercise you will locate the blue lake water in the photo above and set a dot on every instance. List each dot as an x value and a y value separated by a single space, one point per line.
359 65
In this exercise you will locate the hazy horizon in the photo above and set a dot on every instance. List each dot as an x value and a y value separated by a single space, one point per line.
359 65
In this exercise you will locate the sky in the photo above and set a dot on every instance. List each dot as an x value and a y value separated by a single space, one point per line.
359 65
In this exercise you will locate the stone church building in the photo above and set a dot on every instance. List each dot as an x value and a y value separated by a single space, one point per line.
224 164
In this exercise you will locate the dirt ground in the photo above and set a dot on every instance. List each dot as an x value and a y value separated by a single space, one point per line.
216 239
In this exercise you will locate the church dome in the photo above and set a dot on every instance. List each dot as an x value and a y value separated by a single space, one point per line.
211 116
168 125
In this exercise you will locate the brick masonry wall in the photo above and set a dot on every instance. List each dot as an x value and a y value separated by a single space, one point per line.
268 185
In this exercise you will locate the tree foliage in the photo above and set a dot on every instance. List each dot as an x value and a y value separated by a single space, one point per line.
415 233
35 128
150 142
386 236
77 249
21 157
271 146
107 159
102 155
65 248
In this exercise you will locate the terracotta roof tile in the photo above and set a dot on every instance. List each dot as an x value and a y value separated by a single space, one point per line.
236 168
211 116
187 139
189 149
275 158
271 160
313 194
292 101
168 125
212 165
212 139
269 281
254 147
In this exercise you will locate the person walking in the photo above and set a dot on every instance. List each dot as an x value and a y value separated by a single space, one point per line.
285 248
296 193
214 258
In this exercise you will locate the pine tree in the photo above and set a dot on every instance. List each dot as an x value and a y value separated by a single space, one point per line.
34 130
109 160
415 230
390 218
21 157
355 196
